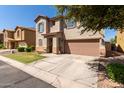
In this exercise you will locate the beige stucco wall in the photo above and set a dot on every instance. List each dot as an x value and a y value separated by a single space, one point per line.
21 34
56 27
39 36
75 33
120 40
30 37
7 35
55 45
5 38
27 36
102 47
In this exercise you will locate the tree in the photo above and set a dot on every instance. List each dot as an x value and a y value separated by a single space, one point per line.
113 40
94 17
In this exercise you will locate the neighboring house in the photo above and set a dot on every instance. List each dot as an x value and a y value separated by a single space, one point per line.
59 35
120 40
1 37
8 34
20 37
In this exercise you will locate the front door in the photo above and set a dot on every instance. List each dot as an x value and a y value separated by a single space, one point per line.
49 45
12 45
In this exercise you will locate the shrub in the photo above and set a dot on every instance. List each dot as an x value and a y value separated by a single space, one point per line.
1 46
115 71
33 48
28 49
21 49
4 47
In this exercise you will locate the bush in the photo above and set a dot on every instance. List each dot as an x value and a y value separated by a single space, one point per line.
21 49
1 46
28 49
115 71
33 48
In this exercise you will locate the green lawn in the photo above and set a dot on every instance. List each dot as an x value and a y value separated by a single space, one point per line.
25 57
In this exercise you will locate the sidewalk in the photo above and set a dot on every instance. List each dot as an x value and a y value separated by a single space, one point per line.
6 51
54 78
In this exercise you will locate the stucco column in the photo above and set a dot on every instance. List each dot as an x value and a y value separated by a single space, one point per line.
45 44
102 47
9 45
55 45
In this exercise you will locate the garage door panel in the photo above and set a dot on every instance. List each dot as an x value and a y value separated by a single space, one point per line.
90 48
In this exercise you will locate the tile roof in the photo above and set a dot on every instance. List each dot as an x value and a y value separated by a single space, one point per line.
9 30
46 17
28 28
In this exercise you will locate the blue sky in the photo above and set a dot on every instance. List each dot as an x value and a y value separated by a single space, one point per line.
11 16
109 33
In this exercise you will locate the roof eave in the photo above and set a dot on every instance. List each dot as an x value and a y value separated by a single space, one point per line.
39 17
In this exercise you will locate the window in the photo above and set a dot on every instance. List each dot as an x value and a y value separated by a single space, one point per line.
70 23
41 27
40 42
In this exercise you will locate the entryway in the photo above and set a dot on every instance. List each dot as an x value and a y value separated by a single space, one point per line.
12 45
49 44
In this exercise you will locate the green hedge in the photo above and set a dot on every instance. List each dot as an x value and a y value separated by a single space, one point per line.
115 71
21 49
28 49
33 48
1 46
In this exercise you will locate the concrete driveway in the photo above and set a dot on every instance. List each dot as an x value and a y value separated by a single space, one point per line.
79 69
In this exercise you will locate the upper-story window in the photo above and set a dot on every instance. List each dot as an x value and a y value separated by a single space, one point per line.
41 27
71 23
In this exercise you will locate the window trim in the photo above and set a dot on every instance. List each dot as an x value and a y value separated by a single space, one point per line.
41 23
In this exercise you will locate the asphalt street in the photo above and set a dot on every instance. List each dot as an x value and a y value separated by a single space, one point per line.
11 77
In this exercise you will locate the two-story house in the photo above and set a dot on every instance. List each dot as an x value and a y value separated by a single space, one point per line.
8 35
20 37
59 35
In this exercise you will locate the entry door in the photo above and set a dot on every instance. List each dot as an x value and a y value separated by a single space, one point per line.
12 45
50 44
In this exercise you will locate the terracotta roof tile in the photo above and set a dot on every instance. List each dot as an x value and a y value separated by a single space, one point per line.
28 28
9 30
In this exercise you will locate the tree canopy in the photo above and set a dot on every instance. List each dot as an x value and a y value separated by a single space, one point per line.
95 17
113 40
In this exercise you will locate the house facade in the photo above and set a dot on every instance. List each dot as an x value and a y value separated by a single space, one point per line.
120 40
20 37
8 35
59 35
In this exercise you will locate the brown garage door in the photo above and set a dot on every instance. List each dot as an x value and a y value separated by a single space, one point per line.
82 47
